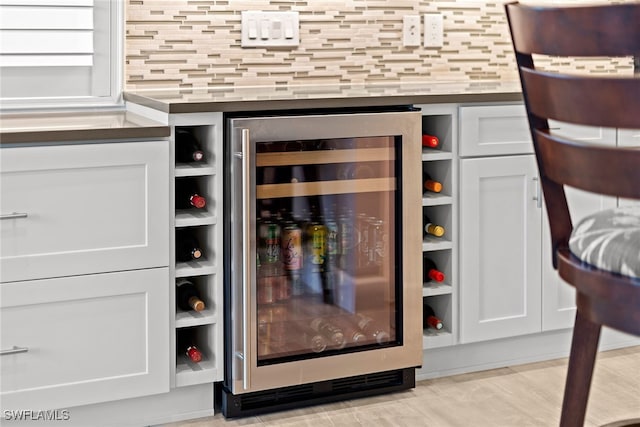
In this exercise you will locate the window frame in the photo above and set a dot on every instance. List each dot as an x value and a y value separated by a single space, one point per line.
107 69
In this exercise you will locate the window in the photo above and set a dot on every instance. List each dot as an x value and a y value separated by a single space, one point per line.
60 53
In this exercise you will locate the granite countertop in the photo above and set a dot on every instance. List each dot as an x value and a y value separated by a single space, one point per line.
323 96
77 126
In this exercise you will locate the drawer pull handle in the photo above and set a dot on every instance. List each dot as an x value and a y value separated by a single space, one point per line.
13 215
14 350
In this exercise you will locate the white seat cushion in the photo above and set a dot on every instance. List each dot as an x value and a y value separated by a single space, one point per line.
609 240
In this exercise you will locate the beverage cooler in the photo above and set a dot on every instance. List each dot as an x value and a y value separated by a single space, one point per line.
323 276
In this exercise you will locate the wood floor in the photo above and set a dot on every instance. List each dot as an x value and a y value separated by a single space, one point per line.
519 396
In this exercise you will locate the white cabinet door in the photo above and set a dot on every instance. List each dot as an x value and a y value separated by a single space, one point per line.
558 298
491 130
628 138
500 223
85 339
81 209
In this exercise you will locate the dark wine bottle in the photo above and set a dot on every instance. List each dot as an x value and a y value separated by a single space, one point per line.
187 246
185 344
432 228
188 148
188 195
187 296
430 141
429 318
431 271
430 184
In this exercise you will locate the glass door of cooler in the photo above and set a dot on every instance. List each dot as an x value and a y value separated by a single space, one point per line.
326 267
322 247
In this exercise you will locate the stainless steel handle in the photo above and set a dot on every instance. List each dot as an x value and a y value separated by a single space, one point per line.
14 350
538 196
246 258
14 215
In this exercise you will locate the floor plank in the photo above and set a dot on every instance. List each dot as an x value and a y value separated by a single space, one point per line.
522 396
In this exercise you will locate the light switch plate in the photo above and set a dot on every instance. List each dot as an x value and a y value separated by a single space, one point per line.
270 29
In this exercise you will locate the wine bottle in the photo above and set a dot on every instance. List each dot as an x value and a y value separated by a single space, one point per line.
432 229
431 271
188 148
187 246
187 296
430 184
333 333
430 141
372 329
188 194
185 344
429 318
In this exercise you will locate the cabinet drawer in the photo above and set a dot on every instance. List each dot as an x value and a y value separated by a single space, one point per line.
84 339
490 130
80 209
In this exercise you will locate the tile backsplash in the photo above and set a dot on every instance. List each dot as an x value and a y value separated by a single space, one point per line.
196 44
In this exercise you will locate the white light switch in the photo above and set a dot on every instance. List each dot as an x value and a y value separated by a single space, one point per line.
270 29
253 29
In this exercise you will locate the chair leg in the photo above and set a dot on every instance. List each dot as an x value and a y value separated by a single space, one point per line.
581 362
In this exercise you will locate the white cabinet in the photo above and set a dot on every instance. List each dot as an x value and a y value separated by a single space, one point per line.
628 138
84 290
80 209
559 298
508 286
78 340
494 130
499 248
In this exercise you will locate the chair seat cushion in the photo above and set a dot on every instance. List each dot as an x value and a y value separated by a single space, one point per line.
609 240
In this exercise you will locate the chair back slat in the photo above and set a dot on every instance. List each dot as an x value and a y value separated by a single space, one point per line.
611 101
591 101
598 169
576 31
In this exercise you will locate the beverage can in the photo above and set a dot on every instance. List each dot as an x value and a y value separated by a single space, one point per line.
332 237
267 288
292 248
318 239
269 233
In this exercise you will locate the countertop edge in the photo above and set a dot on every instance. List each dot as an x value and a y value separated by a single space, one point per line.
78 126
182 107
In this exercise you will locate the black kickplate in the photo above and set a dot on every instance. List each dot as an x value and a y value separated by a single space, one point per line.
261 402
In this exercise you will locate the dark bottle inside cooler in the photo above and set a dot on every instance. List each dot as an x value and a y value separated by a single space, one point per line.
372 329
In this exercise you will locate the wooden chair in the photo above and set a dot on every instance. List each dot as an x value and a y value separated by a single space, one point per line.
600 256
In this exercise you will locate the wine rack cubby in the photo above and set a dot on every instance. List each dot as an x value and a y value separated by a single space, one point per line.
441 208
205 327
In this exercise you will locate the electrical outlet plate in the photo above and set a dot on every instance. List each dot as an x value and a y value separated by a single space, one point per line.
433 30
411 30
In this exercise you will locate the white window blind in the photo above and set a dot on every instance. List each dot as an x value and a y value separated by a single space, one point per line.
46 33
59 51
